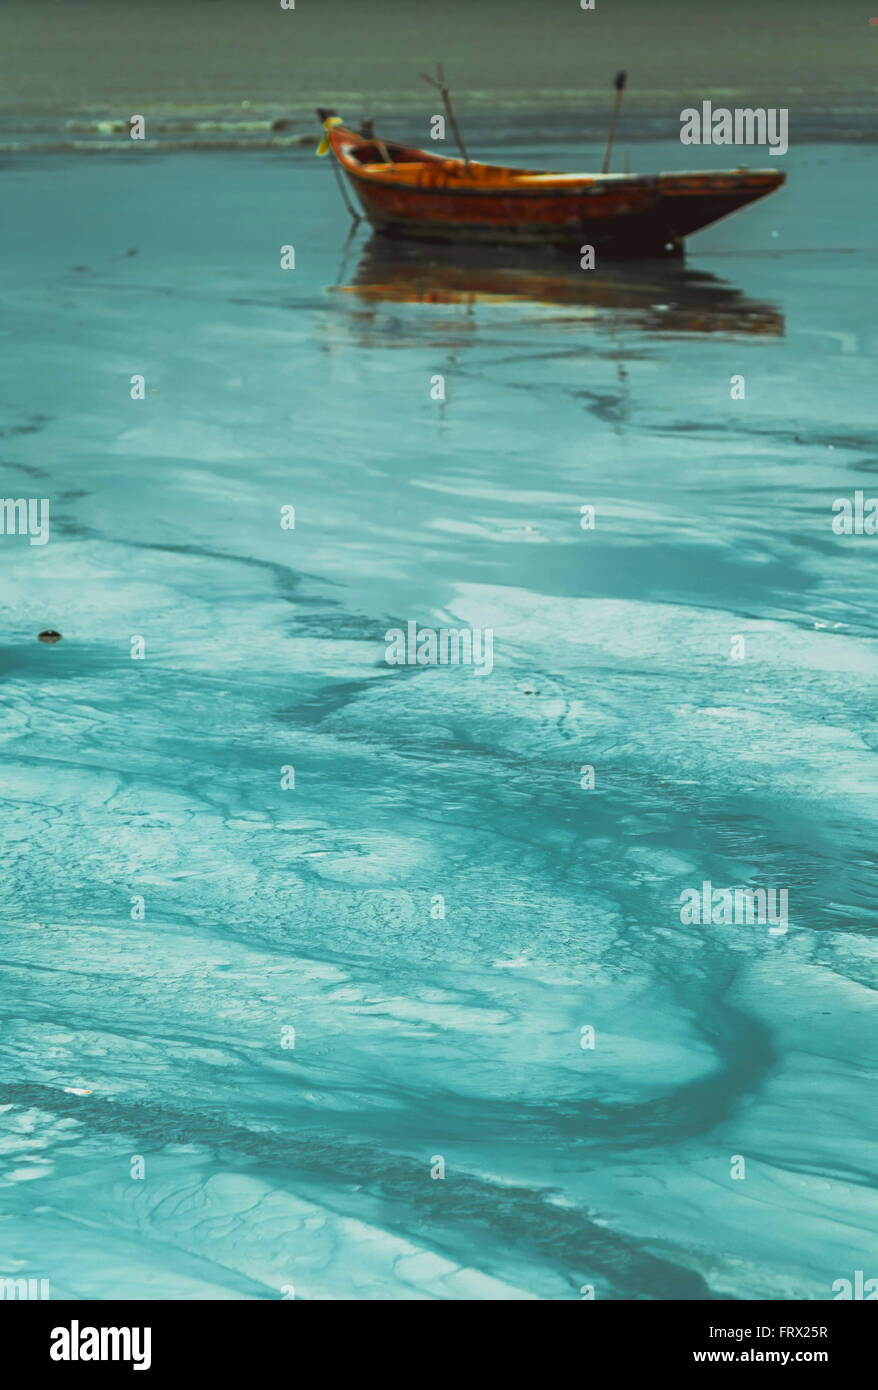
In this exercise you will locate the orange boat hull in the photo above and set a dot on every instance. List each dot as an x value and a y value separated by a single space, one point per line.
409 193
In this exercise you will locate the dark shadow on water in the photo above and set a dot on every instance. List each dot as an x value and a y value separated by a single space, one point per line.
356 1176
660 296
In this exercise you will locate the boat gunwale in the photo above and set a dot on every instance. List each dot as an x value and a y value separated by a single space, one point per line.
386 175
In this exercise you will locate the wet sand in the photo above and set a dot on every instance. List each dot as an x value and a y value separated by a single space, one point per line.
419 1035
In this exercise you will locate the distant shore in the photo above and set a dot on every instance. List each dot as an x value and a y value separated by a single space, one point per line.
108 59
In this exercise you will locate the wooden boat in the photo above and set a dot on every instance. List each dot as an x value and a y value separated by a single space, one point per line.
406 192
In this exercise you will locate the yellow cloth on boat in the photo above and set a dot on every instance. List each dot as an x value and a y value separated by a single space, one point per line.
324 147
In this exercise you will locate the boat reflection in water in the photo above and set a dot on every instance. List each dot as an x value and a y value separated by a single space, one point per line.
662 296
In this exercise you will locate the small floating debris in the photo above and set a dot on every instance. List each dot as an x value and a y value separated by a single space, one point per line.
77 1091
50 636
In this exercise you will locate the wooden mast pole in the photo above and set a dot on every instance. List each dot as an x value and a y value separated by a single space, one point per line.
619 84
439 82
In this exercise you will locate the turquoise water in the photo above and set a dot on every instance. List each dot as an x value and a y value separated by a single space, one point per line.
316 907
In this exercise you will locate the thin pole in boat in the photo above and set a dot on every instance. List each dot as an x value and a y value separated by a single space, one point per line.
439 82
619 83
367 130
